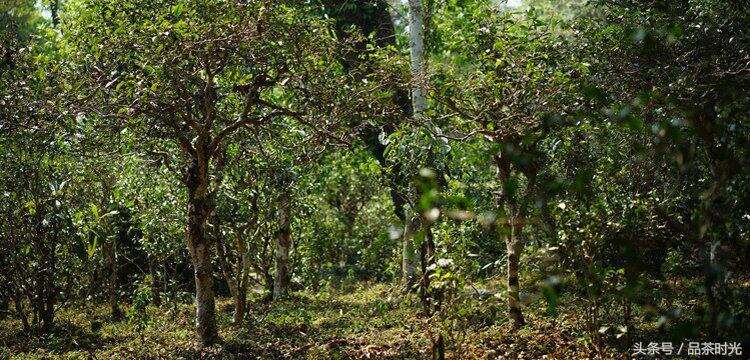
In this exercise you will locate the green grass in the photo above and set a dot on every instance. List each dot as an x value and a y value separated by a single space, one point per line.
374 321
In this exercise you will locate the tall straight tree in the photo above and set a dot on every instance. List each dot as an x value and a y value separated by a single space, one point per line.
187 77
419 105
416 51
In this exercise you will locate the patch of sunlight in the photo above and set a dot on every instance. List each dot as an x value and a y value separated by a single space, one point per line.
513 3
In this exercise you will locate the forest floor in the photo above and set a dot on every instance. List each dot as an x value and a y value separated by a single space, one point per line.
373 321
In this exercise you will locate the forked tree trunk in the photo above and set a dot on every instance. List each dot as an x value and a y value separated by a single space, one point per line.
283 246
199 208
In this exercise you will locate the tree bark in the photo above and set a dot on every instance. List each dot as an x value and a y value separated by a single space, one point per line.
512 244
242 280
418 105
283 245
269 282
110 251
4 307
21 312
48 314
427 259
235 273
47 291
438 348
724 166
513 249
408 261
199 208
155 286
416 44
240 302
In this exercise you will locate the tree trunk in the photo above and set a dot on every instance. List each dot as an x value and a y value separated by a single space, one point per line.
283 245
408 261
438 348
427 259
515 225
21 312
240 301
47 292
155 287
513 248
235 273
110 251
242 280
4 307
711 284
48 314
269 282
199 208
416 44
418 104
724 167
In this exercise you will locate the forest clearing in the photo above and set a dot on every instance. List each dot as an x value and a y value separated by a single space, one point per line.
374 179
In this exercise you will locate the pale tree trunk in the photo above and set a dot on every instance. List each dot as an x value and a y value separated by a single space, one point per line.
199 208
416 43
419 104
283 246
395 16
